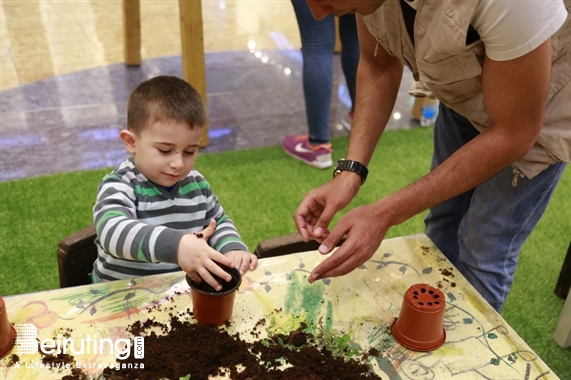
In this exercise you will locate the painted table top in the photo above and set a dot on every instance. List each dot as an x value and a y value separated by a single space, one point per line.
479 343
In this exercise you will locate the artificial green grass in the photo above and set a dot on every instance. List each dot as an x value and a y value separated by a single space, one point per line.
260 189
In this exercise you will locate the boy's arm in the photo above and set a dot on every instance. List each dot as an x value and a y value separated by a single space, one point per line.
119 232
226 237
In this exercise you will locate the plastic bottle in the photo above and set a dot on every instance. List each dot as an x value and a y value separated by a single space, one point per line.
429 112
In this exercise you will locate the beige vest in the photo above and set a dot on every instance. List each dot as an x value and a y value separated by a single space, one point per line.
452 70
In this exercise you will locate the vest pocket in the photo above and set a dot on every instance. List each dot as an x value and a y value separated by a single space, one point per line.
560 72
453 80
449 70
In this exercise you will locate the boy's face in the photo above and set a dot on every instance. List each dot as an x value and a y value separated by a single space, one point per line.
164 151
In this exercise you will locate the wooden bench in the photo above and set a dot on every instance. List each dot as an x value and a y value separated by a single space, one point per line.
77 252
285 245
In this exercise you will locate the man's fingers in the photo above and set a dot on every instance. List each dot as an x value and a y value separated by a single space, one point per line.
301 227
322 224
329 240
335 265
303 218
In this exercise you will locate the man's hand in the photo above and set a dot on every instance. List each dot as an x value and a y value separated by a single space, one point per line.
365 229
198 259
320 205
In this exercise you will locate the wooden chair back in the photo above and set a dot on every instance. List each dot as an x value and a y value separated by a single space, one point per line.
285 245
76 255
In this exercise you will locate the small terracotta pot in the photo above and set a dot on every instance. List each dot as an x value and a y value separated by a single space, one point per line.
7 331
211 307
420 325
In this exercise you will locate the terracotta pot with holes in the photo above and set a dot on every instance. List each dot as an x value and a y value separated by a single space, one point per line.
420 325
211 307
7 331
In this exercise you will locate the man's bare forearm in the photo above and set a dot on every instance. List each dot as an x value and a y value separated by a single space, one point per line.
378 80
370 122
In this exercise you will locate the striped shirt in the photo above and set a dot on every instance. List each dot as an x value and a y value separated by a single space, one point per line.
139 224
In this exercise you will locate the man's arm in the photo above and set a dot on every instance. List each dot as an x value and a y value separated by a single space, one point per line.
515 94
378 79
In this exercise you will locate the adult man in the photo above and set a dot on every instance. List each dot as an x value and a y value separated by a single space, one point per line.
502 72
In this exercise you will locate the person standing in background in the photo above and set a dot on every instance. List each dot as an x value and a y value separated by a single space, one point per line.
317 48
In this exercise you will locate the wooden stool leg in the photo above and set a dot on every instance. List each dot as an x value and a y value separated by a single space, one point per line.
132 32
192 43
562 333
564 281
337 48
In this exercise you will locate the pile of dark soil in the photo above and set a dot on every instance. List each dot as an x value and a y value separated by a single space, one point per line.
185 348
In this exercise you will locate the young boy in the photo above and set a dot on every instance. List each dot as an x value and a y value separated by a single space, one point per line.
154 213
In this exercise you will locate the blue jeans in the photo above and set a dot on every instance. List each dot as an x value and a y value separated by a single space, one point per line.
481 231
317 45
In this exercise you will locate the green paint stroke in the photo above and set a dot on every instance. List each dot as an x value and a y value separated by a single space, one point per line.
492 336
468 321
329 319
388 368
303 297
495 361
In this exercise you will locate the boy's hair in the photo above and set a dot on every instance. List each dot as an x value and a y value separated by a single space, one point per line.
165 98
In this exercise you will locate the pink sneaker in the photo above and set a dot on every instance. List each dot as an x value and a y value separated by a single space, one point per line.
299 147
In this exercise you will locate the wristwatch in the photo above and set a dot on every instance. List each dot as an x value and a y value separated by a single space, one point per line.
352 166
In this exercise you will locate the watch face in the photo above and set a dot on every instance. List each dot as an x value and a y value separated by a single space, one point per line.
354 166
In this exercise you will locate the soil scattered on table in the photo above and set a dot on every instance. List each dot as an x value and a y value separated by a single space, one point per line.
446 272
203 352
183 349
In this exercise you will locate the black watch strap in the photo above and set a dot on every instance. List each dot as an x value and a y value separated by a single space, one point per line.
352 166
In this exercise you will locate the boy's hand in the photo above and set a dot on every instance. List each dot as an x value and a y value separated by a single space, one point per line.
243 260
199 260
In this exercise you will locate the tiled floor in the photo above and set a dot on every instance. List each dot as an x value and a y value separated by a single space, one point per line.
64 86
